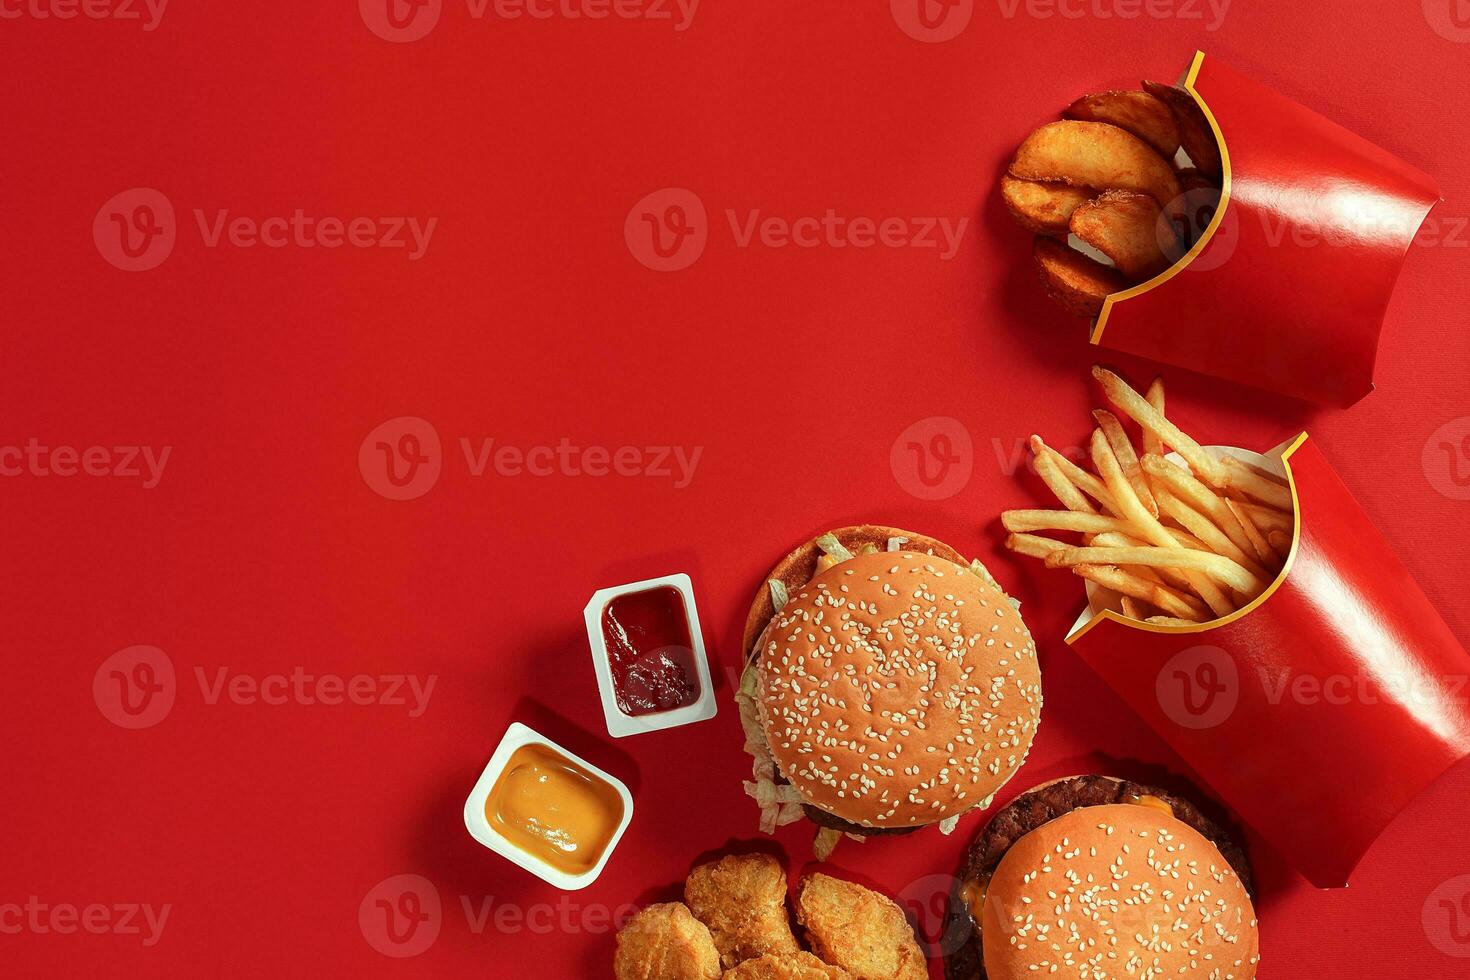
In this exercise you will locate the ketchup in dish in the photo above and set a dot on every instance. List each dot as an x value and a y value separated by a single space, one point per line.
553 809
649 651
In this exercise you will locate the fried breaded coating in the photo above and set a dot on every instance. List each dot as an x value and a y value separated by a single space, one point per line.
666 942
742 898
859 930
800 966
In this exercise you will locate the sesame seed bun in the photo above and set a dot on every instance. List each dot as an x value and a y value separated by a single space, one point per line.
1118 890
797 568
898 689
1064 826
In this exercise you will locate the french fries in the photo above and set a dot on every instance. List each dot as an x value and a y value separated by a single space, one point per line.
1152 444
1109 176
1079 478
1138 409
1060 520
1122 448
1177 544
1218 567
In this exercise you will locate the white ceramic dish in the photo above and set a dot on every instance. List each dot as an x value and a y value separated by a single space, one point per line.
620 724
479 827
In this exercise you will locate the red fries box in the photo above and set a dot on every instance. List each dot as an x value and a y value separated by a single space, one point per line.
1319 710
1287 287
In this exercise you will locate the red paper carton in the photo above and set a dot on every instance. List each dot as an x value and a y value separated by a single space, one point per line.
1319 710
1287 287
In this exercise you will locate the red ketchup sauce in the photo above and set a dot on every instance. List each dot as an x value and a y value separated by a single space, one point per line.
650 651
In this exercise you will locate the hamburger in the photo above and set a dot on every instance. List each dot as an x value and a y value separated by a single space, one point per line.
1102 878
889 685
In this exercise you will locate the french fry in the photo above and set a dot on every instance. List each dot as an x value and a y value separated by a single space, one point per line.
1119 580
1060 520
1079 477
1269 518
1155 397
1133 609
1183 485
1136 407
1210 536
1280 541
1238 476
1033 545
1148 526
1066 491
1258 540
1172 576
1127 458
1218 567
1169 621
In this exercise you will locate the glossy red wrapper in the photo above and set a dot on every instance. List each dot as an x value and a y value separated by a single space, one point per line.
1288 286
1319 711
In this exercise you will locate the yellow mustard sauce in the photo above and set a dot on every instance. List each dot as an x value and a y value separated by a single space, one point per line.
553 809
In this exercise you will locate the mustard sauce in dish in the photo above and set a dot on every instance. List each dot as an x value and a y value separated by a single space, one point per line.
553 809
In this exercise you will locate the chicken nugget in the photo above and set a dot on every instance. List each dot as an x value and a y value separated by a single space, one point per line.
666 942
799 966
859 930
742 898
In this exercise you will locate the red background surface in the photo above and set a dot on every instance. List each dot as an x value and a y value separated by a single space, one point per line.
528 320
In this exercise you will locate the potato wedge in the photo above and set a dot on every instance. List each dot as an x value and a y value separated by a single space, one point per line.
1124 226
1141 114
1043 208
1195 134
1094 154
1077 282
